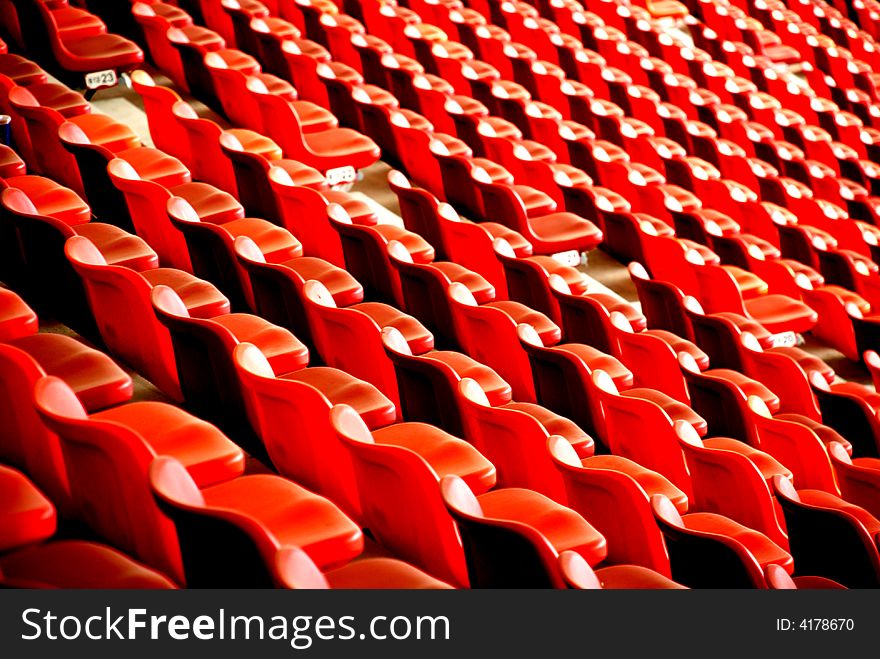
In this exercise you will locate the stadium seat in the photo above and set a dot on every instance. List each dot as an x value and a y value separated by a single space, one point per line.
579 575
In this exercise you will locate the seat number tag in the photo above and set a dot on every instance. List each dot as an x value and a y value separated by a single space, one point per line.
341 175
784 340
571 258
100 79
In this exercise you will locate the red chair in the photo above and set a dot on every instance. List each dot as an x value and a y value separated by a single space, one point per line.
488 334
243 516
549 234
797 446
851 410
296 570
77 564
334 149
49 275
17 319
350 338
777 313
514 436
136 336
207 161
28 516
614 493
513 537
830 537
428 383
167 134
731 478
712 551
77 53
579 575
107 455
397 470
858 478
313 456
43 124
105 200
277 287
147 200
212 251
203 354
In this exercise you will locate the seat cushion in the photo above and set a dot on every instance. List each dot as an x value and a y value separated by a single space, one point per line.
382 574
211 204
651 481
119 247
53 199
282 349
780 313
358 209
537 203
95 378
497 391
17 319
749 386
60 98
276 243
23 71
339 387
565 231
557 425
157 166
418 337
345 289
77 564
481 289
107 132
293 515
679 344
548 330
597 360
202 298
562 527
759 545
446 454
28 516
255 143
200 446
676 410
419 249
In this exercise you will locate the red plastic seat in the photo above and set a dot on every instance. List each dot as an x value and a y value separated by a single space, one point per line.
77 564
514 436
709 550
262 512
107 455
830 537
17 319
203 354
212 248
314 457
350 338
858 478
614 493
82 53
733 479
549 234
167 134
428 383
488 334
542 529
324 150
579 575
629 420
28 516
297 570
136 336
406 513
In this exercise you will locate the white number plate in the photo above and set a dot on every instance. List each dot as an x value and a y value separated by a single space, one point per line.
341 175
784 339
100 79
571 258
